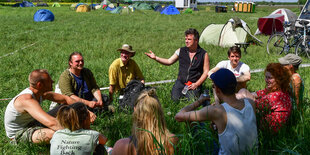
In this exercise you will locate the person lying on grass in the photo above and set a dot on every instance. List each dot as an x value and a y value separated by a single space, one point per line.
149 131
235 118
24 119
292 62
273 103
76 137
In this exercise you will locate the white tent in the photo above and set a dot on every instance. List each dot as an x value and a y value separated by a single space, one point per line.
226 35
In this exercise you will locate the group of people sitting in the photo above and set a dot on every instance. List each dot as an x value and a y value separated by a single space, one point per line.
67 125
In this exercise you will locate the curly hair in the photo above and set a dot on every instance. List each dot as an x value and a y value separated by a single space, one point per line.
149 125
281 75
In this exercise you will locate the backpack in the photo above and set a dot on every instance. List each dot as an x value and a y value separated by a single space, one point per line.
131 93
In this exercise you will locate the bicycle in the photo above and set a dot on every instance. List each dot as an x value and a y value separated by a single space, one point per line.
280 42
303 47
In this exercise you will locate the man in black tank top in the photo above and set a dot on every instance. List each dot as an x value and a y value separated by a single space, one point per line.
193 66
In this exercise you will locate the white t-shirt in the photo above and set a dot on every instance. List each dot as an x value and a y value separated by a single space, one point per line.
79 142
239 70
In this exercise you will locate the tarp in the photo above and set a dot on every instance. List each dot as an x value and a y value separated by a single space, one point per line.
83 8
43 15
270 24
56 5
170 10
109 9
226 35
80 4
274 22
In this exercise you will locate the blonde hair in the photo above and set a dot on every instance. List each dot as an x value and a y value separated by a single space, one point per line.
68 118
149 125
73 116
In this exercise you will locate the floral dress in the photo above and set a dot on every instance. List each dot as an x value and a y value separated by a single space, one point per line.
274 108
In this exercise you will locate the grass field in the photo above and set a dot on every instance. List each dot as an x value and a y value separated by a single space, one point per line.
26 45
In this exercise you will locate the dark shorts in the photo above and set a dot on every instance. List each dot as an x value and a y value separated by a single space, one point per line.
176 92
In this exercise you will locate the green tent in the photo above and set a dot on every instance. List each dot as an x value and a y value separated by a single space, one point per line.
144 6
117 10
127 10
56 5
188 10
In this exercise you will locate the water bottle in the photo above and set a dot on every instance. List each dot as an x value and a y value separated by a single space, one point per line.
205 94
185 89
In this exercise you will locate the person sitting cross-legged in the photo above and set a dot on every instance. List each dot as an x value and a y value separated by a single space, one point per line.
235 118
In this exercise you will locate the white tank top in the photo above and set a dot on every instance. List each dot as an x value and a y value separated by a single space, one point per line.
14 120
240 134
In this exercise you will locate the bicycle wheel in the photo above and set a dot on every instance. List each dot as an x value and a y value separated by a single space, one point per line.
302 49
276 43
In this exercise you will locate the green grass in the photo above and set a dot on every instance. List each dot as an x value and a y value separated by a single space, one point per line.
98 35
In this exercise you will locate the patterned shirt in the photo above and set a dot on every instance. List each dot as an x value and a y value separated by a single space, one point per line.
275 108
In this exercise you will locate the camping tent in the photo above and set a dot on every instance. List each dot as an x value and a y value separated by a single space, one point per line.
170 10
43 15
73 6
142 6
24 4
42 5
274 22
117 10
105 2
83 8
226 35
56 5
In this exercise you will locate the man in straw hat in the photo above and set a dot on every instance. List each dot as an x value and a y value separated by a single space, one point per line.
292 62
123 70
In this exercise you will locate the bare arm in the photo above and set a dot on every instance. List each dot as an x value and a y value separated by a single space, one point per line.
111 91
188 113
212 71
296 86
102 139
34 109
91 104
245 77
59 98
163 61
204 75
97 95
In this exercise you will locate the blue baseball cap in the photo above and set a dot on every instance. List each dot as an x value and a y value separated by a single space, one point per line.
224 79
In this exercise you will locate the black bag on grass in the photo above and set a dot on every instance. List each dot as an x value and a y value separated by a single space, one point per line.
131 93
